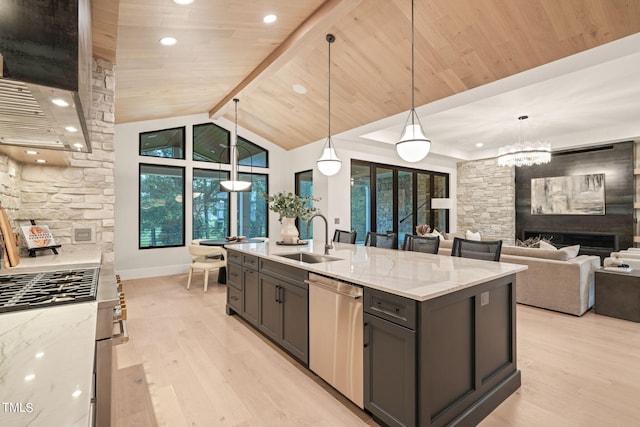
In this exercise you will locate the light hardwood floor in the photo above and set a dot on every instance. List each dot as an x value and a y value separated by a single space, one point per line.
189 364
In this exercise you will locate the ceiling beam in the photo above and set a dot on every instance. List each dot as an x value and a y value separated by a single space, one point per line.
315 24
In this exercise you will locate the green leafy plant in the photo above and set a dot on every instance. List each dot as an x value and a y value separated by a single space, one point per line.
289 205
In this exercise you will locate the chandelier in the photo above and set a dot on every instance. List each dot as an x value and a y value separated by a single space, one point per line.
524 153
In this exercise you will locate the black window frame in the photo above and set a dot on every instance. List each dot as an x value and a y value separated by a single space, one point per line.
184 138
155 165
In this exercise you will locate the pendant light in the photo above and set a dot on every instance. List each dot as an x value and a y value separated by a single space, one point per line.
234 184
413 145
329 163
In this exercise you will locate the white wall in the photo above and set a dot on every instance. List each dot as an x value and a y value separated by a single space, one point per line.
334 192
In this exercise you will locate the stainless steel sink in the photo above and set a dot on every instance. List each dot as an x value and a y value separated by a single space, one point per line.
309 257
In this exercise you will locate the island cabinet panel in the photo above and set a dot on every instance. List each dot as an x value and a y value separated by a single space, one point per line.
389 371
283 314
467 353
234 283
251 296
270 309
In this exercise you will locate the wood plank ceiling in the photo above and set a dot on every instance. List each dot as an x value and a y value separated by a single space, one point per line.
224 49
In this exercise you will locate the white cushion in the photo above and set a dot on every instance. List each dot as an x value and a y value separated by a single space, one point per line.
435 233
548 246
571 251
473 236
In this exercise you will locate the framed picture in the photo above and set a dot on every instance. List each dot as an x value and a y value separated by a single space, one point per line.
568 195
37 236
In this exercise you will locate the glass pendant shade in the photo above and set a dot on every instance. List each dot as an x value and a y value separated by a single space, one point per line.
329 164
413 145
235 186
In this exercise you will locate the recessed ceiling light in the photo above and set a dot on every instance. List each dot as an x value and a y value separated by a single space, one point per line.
268 19
31 152
71 129
298 88
41 161
183 1
60 102
78 145
168 41
479 144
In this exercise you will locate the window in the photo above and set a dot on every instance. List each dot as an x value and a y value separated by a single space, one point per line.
161 207
210 143
304 188
162 210
388 198
211 209
250 154
168 143
253 207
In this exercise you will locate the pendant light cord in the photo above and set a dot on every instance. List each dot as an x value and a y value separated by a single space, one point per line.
330 38
234 145
412 60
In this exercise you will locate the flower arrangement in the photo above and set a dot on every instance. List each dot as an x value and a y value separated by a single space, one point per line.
289 205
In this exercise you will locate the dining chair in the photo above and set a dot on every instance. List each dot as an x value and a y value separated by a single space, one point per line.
206 258
426 244
485 250
343 236
381 240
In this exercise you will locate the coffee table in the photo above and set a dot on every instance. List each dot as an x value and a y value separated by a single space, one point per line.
617 294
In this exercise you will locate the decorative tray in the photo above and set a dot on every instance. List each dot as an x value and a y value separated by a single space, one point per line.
300 243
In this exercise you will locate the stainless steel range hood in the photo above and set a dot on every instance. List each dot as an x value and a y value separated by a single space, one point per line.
45 74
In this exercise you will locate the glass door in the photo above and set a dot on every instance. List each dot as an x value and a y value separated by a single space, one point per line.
405 205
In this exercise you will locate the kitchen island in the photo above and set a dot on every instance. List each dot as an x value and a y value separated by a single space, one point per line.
439 331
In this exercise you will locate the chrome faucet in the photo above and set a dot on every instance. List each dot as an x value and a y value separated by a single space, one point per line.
327 242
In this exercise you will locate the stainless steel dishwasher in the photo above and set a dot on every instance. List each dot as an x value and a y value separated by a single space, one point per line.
336 335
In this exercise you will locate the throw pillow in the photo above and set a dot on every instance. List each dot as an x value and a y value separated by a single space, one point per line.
571 251
473 236
435 233
545 245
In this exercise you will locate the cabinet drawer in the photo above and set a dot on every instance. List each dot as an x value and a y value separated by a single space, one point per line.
285 272
234 256
399 310
234 298
250 261
234 275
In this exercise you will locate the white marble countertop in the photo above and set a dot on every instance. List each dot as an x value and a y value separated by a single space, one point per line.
413 275
46 365
46 354
84 258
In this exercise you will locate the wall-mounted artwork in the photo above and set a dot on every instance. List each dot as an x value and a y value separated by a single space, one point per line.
568 195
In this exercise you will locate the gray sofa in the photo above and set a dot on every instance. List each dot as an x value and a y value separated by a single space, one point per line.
555 279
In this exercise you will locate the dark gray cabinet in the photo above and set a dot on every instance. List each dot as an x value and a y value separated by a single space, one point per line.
284 307
234 283
250 289
390 369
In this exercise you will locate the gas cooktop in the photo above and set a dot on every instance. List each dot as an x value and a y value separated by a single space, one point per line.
23 291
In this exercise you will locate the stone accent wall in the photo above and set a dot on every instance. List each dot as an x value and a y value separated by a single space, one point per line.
486 199
82 194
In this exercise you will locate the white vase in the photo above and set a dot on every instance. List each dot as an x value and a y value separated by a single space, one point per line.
289 233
